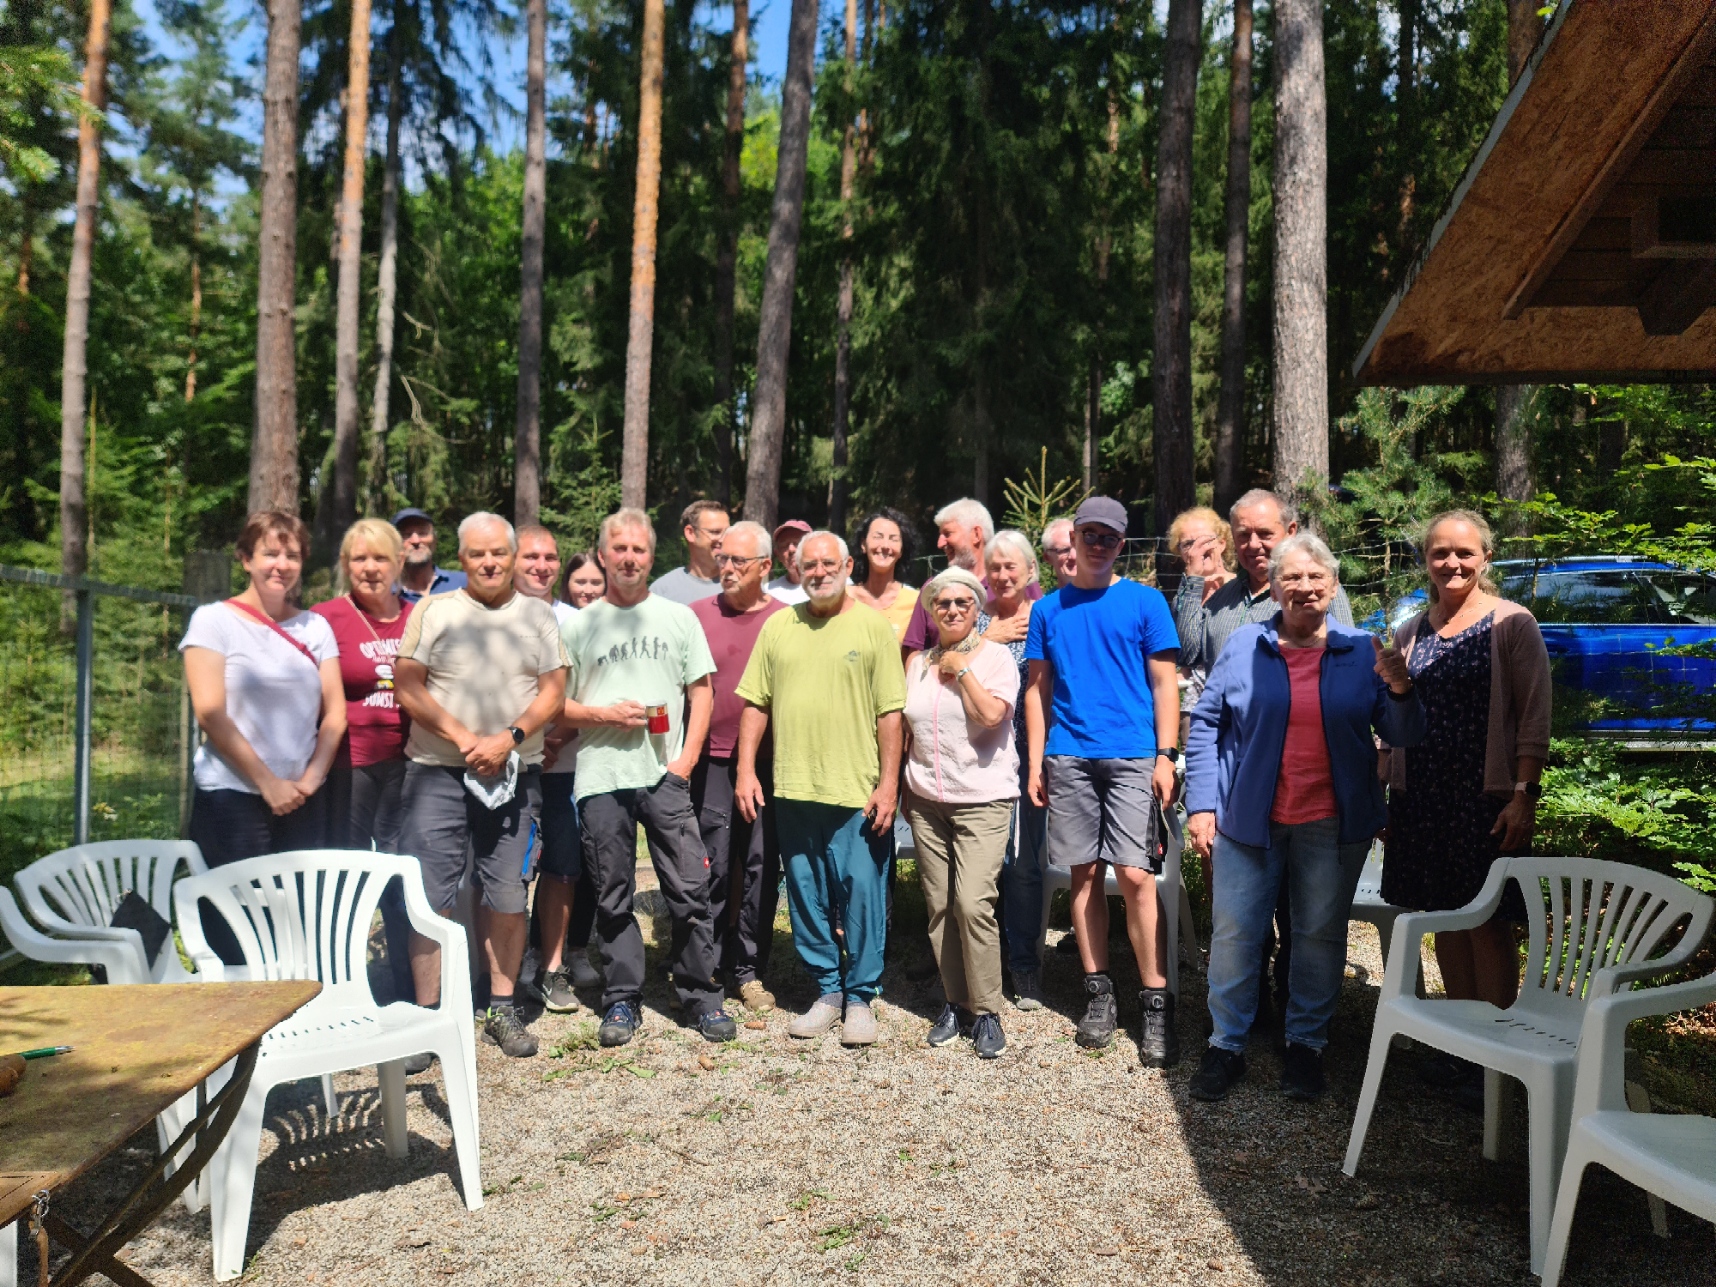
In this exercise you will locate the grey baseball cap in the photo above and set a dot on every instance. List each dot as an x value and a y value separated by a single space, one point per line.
1102 511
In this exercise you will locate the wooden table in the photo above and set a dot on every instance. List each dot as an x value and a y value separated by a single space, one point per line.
137 1050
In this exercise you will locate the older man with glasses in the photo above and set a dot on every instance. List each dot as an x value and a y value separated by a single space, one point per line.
1058 550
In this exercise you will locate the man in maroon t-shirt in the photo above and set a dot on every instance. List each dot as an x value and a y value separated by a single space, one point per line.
963 530
742 894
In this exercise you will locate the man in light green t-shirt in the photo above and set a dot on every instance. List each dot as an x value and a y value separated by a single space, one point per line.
827 674
640 696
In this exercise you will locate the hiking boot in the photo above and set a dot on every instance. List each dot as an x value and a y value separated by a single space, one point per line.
987 1037
818 1019
859 1026
502 1027
717 1025
754 996
555 989
1101 1013
1302 1073
1028 990
583 971
1220 1071
945 1029
1158 1043
619 1024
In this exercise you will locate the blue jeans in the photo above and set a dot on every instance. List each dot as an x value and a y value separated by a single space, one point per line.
1022 887
836 873
1321 876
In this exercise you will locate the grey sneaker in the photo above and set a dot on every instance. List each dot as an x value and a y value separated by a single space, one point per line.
502 1027
583 972
818 1019
987 1037
1028 984
945 1030
1158 1043
859 1027
419 1063
555 989
1101 1014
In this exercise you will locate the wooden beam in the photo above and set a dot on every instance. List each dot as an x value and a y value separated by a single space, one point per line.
1678 297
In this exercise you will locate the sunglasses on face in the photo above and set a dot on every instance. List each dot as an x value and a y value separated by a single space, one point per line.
1099 540
955 605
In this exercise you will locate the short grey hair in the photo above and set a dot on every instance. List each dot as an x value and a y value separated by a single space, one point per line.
798 554
1306 543
968 513
953 576
1256 496
764 543
1055 524
481 519
620 520
1017 544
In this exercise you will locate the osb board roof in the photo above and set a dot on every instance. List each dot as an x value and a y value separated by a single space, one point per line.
1549 263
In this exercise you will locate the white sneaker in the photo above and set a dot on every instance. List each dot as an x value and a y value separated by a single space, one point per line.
859 1029
816 1020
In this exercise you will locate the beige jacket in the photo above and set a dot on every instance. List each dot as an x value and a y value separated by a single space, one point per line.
1520 697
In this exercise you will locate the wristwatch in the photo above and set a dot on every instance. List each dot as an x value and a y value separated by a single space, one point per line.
517 735
1172 753
961 674
1532 790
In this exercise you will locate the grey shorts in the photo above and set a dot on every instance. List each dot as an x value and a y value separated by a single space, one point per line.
1103 811
444 823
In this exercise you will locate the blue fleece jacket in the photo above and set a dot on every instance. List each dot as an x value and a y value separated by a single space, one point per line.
1239 726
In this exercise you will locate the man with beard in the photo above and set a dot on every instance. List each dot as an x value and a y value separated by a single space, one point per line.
420 576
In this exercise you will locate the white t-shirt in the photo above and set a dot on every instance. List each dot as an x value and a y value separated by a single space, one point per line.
273 693
788 593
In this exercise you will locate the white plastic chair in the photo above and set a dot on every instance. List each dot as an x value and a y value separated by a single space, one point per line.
1593 927
1170 892
73 893
307 915
1368 904
1670 1156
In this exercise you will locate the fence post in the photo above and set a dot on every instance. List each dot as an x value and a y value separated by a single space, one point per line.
85 691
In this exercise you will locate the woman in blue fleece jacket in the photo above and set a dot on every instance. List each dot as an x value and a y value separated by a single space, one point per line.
1281 772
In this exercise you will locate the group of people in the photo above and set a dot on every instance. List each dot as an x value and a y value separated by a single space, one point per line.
518 720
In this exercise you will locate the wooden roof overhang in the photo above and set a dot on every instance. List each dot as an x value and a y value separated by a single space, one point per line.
1581 243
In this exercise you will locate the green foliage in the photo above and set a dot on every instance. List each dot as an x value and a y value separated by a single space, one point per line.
1034 503
33 82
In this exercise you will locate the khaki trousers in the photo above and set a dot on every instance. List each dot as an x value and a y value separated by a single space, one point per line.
960 851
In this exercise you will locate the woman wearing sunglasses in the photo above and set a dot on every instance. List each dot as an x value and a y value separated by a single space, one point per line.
962 778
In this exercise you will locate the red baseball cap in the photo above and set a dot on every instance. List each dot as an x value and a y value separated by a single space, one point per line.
793 525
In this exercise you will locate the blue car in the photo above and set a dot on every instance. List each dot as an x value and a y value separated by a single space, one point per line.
1606 621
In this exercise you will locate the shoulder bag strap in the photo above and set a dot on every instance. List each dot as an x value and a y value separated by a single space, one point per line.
264 619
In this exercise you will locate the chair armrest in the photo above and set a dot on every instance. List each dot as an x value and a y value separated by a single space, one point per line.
447 934
209 967
1411 927
1600 1079
119 952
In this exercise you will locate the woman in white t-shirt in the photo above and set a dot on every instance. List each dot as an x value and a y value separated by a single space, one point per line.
265 683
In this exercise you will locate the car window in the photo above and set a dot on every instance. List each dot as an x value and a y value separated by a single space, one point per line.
1606 598
1683 598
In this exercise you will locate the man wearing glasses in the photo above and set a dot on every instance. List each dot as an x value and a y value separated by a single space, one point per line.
1102 717
742 893
703 523
827 677
1058 550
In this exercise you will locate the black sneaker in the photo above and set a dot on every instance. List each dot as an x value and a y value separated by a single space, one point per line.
1101 1014
1302 1073
987 1036
717 1025
1220 1071
555 989
946 1027
1158 1043
619 1024
502 1027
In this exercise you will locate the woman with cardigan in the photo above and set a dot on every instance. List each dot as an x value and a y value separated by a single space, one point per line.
1467 794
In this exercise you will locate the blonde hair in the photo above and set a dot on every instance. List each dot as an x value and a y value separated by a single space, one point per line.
619 521
1218 525
379 534
1486 538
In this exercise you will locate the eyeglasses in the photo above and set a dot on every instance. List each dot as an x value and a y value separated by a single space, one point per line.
1057 551
965 604
807 566
1099 540
733 560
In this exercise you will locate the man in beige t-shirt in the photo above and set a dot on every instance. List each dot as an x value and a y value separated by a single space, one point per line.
480 671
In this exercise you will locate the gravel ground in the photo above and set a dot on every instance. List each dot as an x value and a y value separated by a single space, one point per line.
772 1160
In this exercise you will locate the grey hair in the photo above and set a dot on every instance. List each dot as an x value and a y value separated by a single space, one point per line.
798 554
1017 543
1256 496
621 519
952 576
1307 543
971 513
481 517
756 531
1052 525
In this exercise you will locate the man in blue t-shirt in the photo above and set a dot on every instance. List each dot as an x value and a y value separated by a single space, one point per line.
1102 718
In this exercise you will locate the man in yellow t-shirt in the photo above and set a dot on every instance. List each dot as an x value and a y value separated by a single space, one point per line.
827 673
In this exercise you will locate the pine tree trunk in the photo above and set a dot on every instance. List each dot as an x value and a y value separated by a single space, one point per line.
342 510
634 456
1515 479
1301 249
527 450
196 294
1171 360
774 326
1229 445
1406 112
727 254
274 448
386 281
74 516
843 305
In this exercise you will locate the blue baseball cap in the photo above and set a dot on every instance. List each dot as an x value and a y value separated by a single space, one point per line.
405 515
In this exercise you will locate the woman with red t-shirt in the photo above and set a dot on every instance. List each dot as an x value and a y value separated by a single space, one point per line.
368 776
